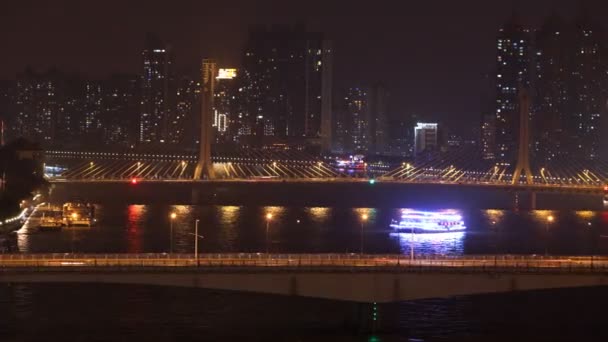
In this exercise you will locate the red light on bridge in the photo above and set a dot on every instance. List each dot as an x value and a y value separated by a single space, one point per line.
606 188
134 181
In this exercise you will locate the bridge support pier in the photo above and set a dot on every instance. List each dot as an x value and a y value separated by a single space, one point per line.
524 200
366 318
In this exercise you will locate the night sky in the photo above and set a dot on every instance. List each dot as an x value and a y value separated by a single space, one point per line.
433 54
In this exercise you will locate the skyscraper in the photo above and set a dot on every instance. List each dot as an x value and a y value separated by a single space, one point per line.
157 91
425 137
39 99
358 116
225 105
378 120
488 137
361 124
551 92
7 111
589 98
286 86
181 123
512 72
120 110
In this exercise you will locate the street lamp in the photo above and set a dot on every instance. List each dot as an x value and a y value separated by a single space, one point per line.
268 219
364 218
74 217
172 217
196 236
549 221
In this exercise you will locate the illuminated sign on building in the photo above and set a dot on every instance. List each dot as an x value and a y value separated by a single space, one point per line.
226 74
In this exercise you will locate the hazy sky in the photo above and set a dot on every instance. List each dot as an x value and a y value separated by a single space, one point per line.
433 54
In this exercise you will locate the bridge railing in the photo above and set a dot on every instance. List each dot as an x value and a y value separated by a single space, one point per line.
312 261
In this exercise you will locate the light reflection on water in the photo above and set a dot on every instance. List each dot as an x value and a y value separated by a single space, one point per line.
431 244
146 228
136 215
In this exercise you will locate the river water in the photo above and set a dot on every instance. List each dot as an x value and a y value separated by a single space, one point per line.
72 312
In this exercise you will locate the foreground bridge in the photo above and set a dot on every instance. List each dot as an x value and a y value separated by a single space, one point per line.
349 277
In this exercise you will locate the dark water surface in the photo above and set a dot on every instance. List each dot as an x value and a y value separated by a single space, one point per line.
72 312
124 228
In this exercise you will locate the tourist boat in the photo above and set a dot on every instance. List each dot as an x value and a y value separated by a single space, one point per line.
52 218
416 221
78 213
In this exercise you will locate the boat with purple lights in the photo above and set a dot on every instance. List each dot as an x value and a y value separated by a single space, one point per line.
419 222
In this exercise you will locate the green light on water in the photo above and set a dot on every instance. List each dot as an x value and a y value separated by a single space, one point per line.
372 181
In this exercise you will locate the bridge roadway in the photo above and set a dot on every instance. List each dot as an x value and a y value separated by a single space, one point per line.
349 277
546 188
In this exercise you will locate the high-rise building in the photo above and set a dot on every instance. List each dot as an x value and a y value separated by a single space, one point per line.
120 110
90 126
425 137
157 91
488 137
569 84
551 91
39 99
361 125
225 106
401 138
378 120
512 73
183 121
7 112
358 114
589 67
286 86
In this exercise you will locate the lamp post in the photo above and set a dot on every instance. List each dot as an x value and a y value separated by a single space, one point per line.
172 217
268 219
549 221
412 245
591 232
364 218
74 218
196 241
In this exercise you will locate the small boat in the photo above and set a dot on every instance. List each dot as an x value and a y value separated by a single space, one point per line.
416 221
51 219
78 213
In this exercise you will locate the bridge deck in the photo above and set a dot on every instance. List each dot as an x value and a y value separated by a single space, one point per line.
303 262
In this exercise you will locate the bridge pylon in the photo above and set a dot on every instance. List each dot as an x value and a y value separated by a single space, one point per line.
204 166
523 154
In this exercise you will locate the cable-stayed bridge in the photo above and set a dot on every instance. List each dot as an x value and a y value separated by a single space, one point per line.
459 166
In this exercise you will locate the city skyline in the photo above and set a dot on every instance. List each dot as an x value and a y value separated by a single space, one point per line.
418 78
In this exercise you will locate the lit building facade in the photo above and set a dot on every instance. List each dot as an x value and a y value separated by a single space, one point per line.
157 91
38 101
425 137
488 137
512 73
589 97
225 106
120 108
570 94
286 86
358 113
185 116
